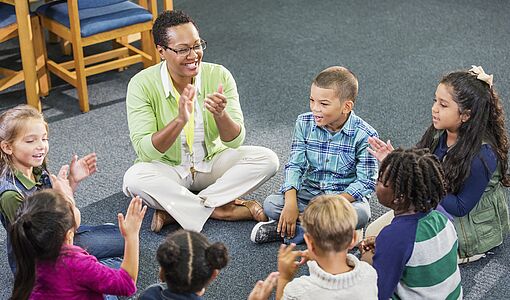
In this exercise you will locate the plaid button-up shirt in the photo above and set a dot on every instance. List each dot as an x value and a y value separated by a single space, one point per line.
333 163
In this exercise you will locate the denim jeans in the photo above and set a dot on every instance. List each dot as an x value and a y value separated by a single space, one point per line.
101 241
114 263
273 206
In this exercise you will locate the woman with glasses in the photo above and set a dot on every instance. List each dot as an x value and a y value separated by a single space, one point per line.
186 126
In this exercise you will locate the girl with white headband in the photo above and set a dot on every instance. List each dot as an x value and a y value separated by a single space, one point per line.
468 135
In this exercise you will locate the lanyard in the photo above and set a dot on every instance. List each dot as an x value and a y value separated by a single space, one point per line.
189 128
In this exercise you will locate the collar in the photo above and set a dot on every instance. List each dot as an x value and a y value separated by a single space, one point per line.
167 81
339 281
349 127
27 182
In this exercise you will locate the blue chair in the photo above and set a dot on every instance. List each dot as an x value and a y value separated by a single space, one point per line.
89 22
9 30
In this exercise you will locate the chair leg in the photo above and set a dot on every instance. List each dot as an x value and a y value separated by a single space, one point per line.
81 80
41 57
149 48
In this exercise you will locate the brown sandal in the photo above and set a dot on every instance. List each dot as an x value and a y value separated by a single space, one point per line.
160 219
256 210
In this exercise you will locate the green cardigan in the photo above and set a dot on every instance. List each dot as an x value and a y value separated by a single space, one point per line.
149 110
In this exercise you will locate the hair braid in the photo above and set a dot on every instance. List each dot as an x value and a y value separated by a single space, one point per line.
414 175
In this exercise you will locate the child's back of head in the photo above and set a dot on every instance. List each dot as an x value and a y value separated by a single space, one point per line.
330 220
188 261
38 234
414 177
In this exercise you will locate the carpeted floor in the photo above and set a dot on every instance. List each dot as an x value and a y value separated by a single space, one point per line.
399 50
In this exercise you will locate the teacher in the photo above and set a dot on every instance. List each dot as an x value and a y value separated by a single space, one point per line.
186 126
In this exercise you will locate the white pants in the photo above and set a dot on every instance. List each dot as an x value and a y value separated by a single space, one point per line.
234 173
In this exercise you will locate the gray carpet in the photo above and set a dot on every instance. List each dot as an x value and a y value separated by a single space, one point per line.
399 49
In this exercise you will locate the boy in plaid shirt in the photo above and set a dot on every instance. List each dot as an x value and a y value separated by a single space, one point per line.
328 156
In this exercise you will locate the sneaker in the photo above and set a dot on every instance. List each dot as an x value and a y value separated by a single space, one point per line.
265 232
473 258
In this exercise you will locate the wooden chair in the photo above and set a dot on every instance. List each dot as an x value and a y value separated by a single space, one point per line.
89 22
9 30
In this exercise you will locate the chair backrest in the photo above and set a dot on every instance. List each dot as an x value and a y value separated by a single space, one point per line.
7 15
83 4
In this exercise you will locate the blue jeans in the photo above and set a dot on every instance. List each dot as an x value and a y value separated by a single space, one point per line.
114 263
273 206
102 241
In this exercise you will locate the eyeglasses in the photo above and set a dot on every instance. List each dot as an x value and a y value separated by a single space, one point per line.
186 51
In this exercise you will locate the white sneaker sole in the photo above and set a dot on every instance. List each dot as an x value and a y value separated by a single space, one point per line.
256 229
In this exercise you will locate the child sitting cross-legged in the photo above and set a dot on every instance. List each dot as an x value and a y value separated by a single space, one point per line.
329 223
329 155
416 255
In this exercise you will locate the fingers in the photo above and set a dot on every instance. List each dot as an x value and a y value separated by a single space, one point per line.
280 224
304 257
62 174
90 159
220 88
120 219
284 229
291 229
74 159
136 209
216 102
263 289
189 92
267 286
389 145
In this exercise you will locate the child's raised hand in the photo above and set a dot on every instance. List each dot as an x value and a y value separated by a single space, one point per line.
378 148
82 168
129 226
287 263
263 289
61 184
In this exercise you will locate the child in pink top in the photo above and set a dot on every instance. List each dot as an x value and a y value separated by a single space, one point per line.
50 267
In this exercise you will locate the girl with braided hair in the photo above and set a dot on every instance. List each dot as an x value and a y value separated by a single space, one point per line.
188 263
468 136
415 256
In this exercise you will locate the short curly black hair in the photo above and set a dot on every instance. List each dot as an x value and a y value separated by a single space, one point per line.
416 176
167 19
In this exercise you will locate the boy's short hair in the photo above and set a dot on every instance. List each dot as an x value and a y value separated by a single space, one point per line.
330 220
341 79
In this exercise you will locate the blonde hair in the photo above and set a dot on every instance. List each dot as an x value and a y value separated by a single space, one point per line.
330 220
341 79
12 124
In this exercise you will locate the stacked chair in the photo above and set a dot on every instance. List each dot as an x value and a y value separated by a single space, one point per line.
9 30
88 22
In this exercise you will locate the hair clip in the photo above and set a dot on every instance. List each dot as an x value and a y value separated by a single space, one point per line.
481 75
